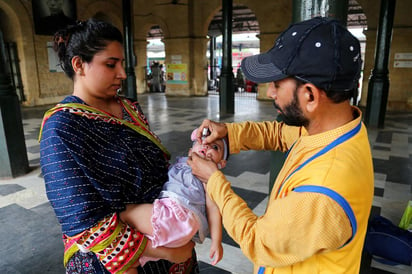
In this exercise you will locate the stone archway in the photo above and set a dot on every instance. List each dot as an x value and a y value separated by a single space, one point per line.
108 11
155 62
245 29
15 24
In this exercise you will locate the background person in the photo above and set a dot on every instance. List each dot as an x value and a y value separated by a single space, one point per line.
240 80
156 77
317 213
98 155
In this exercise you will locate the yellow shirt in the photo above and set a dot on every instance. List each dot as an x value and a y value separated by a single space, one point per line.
301 232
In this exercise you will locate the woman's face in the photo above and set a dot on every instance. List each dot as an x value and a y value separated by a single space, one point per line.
102 77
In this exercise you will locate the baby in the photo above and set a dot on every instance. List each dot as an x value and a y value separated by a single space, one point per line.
183 211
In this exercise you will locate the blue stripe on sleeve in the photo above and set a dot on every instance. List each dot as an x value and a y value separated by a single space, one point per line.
338 198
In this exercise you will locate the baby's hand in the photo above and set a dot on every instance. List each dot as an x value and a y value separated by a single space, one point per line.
216 253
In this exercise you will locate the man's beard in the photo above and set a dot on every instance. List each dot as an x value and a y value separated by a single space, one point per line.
292 114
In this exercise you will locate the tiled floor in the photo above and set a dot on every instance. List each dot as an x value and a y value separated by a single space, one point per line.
30 234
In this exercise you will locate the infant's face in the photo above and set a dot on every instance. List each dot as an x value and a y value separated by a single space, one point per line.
213 151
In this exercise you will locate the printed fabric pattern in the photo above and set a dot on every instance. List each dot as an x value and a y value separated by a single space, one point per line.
93 168
116 244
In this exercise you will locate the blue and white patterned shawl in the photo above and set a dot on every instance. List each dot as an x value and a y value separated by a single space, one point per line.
93 168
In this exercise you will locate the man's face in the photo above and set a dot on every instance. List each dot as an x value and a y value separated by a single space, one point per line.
55 6
292 113
288 108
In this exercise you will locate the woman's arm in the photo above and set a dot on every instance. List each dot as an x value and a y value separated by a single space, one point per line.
139 216
175 255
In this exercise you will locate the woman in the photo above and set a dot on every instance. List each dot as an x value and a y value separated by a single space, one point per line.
98 154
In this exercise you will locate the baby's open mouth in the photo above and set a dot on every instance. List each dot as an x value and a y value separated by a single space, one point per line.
202 152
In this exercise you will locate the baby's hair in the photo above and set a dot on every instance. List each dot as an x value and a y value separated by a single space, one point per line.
84 39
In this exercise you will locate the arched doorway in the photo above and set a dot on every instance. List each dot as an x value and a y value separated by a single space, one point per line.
155 62
10 54
245 42
245 23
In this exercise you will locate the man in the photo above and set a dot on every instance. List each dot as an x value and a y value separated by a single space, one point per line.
317 213
55 20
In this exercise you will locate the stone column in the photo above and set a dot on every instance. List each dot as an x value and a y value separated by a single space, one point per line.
177 51
198 65
306 9
266 41
378 88
226 89
130 57
140 48
13 153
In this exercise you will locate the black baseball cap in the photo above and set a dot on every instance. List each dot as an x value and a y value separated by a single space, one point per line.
319 50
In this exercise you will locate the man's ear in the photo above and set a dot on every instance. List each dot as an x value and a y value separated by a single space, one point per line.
311 96
221 164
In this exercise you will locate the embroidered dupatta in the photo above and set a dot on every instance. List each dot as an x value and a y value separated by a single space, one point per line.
139 124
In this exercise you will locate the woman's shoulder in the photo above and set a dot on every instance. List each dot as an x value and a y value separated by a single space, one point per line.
134 104
58 118
72 99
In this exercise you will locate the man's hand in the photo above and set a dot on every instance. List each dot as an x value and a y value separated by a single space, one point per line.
217 131
201 168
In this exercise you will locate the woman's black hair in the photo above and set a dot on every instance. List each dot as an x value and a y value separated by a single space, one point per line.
84 39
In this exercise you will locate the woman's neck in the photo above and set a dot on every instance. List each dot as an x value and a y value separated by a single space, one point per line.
110 105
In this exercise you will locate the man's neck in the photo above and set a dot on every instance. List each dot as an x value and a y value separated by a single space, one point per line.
330 117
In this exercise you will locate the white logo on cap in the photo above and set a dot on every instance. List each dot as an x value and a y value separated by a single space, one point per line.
318 44
294 33
351 48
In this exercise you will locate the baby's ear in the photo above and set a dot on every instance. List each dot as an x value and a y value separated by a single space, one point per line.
221 164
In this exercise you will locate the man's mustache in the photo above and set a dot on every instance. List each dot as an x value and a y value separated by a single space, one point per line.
277 107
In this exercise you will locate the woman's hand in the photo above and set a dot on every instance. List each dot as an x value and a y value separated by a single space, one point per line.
201 168
181 254
174 255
